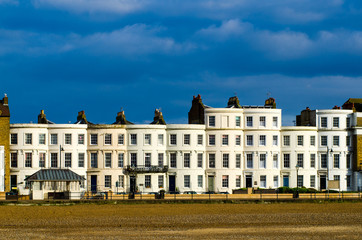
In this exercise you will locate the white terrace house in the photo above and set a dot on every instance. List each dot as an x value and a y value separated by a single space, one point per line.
219 150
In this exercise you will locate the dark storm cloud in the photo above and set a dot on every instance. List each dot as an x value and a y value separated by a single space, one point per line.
163 52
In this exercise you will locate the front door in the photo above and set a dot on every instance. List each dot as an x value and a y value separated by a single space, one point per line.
94 183
211 183
248 181
172 183
323 182
13 182
285 181
132 184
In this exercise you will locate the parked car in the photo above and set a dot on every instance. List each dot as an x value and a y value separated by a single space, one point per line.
175 192
154 193
209 192
190 192
224 193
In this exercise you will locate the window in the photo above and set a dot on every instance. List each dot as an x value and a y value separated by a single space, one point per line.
147 181
249 140
160 181
336 177
14 138
275 140
323 122
225 140
238 140
120 139
41 138
211 121
28 160
238 160
286 140
187 139
312 181
41 160
336 122
94 160
68 139
173 162
312 160
336 160
262 121
81 139
225 160
300 140
323 160
312 140
275 161
348 181
348 122
211 160
225 181
187 181
160 159
120 160
173 139
54 160
286 160
212 140
263 181
335 140
160 139
199 160
300 160
237 121
199 139
249 121
108 160
300 181
147 139
121 181
249 160
199 181
348 141
133 139
187 160
14 159
147 159
53 139
68 160
81 160
238 181
133 159
93 139
324 141
262 159
107 139
107 181
262 140
348 160
275 121
28 138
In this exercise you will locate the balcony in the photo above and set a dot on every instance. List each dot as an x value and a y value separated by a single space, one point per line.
144 169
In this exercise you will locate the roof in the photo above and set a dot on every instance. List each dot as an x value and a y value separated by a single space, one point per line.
55 175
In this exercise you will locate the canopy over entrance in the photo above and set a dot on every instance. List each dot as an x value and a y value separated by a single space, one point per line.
58 175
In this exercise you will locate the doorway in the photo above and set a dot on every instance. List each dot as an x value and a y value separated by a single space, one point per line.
132 184
172 183
94 183
286 181
323 182
210 181
248 181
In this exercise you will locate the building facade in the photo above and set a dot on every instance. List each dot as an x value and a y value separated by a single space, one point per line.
219 150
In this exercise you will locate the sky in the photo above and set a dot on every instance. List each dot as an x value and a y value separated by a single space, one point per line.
102 56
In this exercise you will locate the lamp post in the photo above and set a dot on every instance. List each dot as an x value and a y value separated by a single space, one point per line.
297 194
60 155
